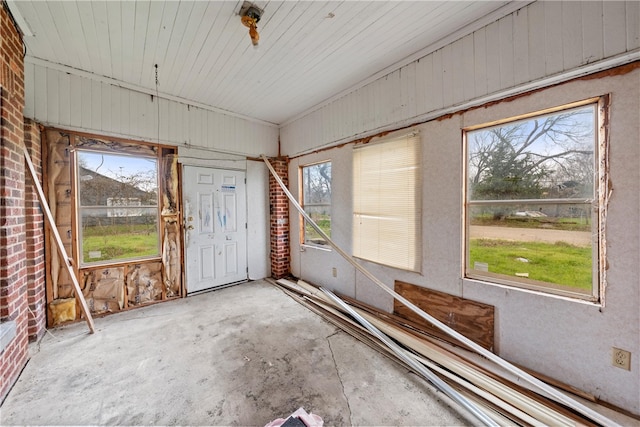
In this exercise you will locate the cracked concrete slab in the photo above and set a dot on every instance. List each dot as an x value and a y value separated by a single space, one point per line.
377 382
243 355
346 398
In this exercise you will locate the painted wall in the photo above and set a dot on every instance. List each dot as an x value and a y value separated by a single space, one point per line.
541 45
257 201
567 339
258 220
83 102
58 98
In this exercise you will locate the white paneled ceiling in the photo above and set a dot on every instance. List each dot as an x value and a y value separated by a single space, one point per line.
309 51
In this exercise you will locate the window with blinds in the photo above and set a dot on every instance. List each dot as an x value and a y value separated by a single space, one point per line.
387 202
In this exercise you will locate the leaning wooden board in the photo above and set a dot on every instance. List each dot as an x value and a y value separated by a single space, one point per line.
61 249
473 319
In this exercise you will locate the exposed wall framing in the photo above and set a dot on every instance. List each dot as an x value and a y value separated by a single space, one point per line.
118 285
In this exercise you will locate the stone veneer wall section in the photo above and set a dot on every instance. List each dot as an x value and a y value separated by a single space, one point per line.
279 220
21 263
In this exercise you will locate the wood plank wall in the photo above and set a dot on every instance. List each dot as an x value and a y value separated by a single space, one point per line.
75 102
541 40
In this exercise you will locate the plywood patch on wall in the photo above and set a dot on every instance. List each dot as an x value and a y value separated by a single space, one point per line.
472 319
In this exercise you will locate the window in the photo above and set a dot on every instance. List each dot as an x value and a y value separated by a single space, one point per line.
117 207
532 208
316 201
387 202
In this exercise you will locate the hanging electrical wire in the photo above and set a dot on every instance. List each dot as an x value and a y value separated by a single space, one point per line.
158 103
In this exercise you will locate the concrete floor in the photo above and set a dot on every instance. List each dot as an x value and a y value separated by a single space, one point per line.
243 355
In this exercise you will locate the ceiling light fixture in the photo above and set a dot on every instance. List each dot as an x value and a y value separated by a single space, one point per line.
250 16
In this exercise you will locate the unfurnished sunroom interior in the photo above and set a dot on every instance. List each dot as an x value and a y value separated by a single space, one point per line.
481 153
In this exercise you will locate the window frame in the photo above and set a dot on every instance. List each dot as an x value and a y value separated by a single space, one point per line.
302 221
407 135
78 208
598 206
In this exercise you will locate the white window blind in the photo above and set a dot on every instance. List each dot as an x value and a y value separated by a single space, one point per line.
387 204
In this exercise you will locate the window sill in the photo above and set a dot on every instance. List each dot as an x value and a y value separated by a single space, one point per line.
304 247
480 282
7 334
120 263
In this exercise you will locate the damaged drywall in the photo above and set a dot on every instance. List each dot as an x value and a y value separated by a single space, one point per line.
171 256
548 334
104 289
58 181
115 285
144 283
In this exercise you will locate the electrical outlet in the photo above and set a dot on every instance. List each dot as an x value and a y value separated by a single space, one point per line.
334 272
621 358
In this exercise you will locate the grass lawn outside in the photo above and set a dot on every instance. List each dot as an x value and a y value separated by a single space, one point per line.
118 242
557 263
312 236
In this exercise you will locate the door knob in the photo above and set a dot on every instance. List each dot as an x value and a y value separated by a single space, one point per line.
189 227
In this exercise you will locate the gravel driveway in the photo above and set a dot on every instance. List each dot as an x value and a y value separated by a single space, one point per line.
578 238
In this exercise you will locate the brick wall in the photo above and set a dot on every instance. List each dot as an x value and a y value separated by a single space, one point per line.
15 270
279 220
36 291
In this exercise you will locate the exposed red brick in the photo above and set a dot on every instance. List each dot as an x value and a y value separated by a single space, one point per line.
22 286
279 220
35 233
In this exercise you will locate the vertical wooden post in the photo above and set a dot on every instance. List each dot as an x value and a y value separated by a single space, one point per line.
59 244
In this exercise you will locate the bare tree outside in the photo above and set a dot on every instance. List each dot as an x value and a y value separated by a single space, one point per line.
530 193
534 158
316 194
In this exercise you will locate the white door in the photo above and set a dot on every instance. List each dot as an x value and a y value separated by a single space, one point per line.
215 211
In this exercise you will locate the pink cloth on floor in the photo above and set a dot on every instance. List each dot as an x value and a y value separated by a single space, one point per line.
310 419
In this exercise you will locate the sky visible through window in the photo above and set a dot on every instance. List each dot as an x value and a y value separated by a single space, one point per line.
551 151
117 166
117 202
531 195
